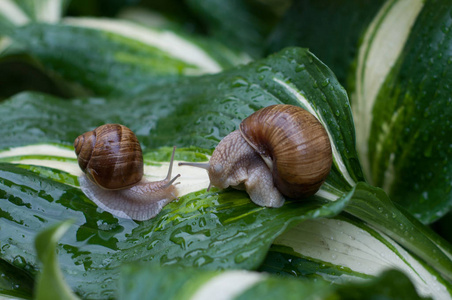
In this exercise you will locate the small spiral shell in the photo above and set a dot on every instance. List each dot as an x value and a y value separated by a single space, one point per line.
110 156
294 145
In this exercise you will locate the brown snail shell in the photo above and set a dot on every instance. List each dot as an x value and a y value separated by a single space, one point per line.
279 150
294 145
111 158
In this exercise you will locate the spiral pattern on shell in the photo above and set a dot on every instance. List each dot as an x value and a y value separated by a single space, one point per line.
294 145
110 156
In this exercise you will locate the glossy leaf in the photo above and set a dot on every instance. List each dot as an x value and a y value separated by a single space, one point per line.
214 230
175 114
402 107
209 230
331 29
50 283
344 250
253 21
115 56
14 281
150 281
374 207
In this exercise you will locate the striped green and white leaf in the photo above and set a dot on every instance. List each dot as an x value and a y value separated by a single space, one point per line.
253 21
344 250
21 12
214 230
402 105
14 13
331 29
149 281
119 56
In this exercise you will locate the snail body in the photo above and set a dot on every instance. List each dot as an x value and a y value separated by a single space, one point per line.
281 150
111 158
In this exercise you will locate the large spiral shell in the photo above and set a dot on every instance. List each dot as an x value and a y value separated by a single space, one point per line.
294 145
110 156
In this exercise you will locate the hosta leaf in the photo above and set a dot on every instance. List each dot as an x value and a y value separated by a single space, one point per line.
331 29
402 105
120 56
138 282
11 14
373 205
253 21
343 250
19 12
199 111
216 229
190 283
210 230
50 283
15 282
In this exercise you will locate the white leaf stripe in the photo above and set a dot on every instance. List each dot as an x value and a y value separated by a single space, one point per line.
167 41
228 285
48 10
13 13
377 55
64 159
307 105
360 249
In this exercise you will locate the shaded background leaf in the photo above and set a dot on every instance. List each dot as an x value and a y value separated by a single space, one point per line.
116 56
331 29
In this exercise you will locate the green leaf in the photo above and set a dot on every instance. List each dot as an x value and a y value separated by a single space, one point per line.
374 207
138 282
127 57
214 230
14 281
50 283
389 285
209 230
331 29
11 14
344 250
402 107
20 12
207 109
252 23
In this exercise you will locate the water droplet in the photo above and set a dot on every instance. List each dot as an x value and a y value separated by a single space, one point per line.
300 68
202 222
19 261
152 244
179 235
202 261
325 82
263 69
425 195
241 257
239 82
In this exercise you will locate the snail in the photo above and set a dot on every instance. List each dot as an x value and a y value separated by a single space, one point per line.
112 161
280 150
